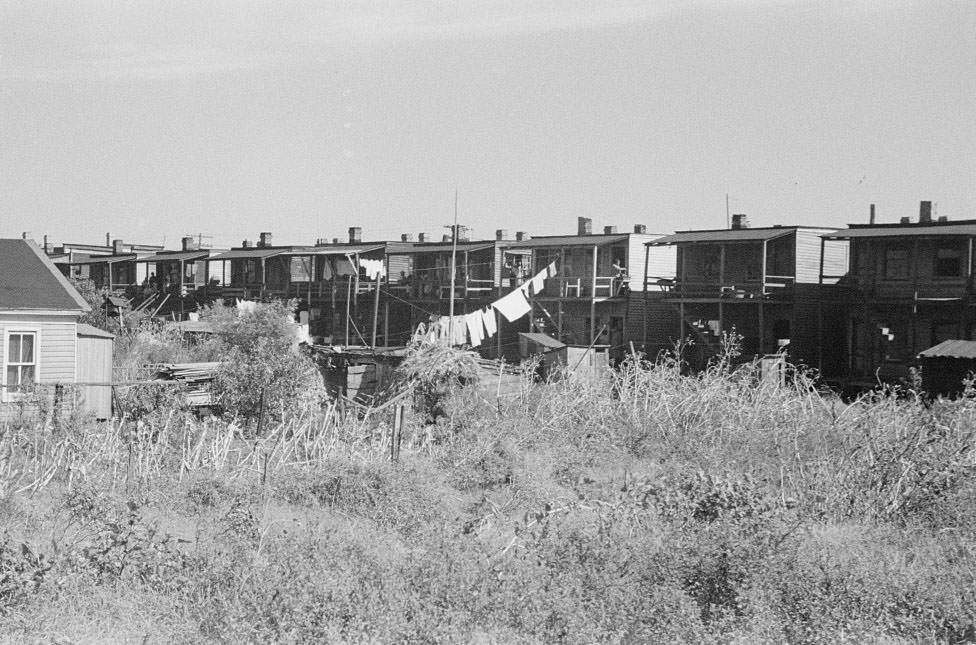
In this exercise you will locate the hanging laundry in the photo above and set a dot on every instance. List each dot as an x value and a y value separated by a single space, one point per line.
538 282
476 329
459 331
373 268
488 320
513 305
551 270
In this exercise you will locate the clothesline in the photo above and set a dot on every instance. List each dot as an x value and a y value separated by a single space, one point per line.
475 327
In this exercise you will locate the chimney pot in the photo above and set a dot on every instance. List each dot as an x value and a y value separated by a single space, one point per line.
943 219
871 221
322 241
355 234
584 226
264 239
335 240
609 230
501 234
406 237
117 247
739 221
246 244
108 239
188 244
464 233
924 212
421 237
905 220
521 236
640 229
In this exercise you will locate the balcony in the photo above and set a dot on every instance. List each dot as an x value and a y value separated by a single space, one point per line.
772 288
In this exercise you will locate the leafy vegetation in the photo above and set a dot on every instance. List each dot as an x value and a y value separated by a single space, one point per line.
641 506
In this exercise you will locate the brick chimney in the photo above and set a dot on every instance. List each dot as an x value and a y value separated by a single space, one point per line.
740 221
188 243
335 240
609 230
871 220
522 236
501 234
355 234
464 233
117 247
640 229
584 226
264 239
446 237
925 212
905 220
246 244
406 237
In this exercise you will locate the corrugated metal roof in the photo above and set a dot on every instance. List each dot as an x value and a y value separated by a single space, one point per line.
29 280
241 254
176 256
951 349
725 235
83 258
345 249
569 240
904 230
92 332
442 247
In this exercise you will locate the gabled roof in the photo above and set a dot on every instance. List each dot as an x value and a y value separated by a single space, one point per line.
951 349
29 280
965 228
569 240
728 235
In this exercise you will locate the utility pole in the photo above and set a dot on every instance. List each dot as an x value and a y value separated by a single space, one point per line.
454 236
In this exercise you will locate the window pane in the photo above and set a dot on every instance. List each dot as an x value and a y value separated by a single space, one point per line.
27 375
12 379
13 348
27 348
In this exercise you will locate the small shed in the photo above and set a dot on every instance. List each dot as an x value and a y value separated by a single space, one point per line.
946 365
94 370
551 351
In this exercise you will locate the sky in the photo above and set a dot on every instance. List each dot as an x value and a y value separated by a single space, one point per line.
153 120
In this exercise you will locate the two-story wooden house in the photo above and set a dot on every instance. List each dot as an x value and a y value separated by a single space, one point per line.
762 282
910 287
114 266
597 293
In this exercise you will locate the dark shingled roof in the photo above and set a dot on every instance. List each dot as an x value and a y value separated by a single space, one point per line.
29 280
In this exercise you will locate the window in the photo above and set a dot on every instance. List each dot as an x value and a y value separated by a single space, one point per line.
896 263
948 261
20 362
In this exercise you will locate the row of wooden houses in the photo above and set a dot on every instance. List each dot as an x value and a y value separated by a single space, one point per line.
859 303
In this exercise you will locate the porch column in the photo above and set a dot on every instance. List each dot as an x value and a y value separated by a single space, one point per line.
762 300
721 282
593 297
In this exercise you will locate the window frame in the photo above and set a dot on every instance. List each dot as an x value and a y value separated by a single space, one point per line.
949 245
900 248
6 395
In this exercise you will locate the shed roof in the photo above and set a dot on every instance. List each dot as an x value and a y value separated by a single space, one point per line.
79 259
542 339
343 249
241 254
176 256
92 332
964 229
29 280
951 349
726 235
441 247
569 240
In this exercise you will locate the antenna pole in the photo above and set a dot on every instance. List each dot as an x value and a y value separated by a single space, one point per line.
728 220
450 321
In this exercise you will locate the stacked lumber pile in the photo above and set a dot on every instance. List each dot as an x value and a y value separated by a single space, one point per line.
196 376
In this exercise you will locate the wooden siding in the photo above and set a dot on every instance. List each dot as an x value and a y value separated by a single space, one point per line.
95 366
57 344
879 276
808 257
662 260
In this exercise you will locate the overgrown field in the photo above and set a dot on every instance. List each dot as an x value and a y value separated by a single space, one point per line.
648 507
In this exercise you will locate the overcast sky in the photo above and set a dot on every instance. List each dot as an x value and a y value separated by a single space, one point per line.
153 120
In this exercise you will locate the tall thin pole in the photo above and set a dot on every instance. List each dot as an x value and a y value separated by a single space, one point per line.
450 321
728 218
